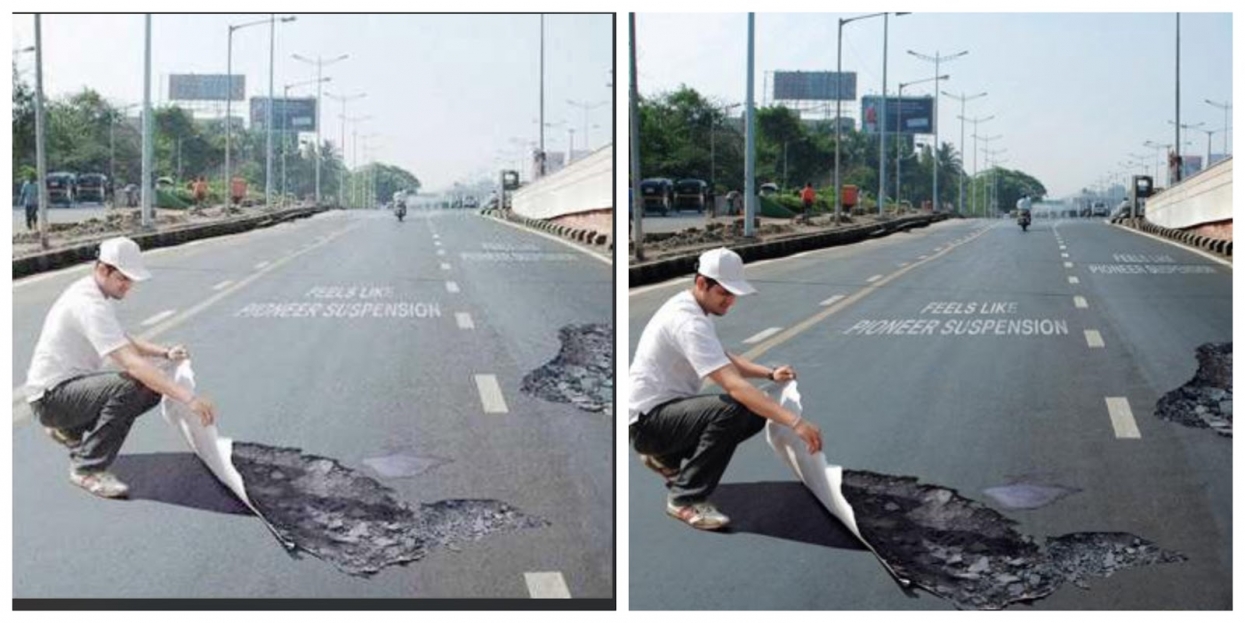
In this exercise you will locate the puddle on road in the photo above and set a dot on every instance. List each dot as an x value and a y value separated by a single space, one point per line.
970 554
1029 492
315 504
1206 400
583 372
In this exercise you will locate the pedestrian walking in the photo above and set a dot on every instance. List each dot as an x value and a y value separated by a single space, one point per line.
30 201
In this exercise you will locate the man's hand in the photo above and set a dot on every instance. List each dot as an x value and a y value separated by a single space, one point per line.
810 433
178 353
204 409
783 373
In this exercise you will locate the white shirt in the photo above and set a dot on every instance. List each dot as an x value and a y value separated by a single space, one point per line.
1023 204
677 350
80 330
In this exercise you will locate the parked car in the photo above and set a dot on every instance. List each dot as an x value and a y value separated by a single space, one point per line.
658 194
92 187
61 188
691 193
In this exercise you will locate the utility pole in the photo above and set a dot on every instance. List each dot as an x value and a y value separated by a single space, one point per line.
148 191
542 95
937 59
319 63
637 202
341 186
41 158
1226 107
975 121
750 161
963 98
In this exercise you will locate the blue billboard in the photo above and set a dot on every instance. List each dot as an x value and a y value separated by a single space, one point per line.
910 115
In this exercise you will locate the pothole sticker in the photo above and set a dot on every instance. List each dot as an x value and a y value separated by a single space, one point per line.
583 372
317 505
1206 400
972 555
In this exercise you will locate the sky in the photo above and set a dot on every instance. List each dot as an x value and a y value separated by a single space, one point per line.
452 98
1072 94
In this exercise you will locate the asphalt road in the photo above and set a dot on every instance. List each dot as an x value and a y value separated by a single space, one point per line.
487 299
968 412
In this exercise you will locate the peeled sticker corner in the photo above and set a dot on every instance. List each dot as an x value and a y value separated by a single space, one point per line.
823 479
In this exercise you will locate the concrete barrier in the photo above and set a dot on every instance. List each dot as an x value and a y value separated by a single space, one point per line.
1203 198
584 185
85 252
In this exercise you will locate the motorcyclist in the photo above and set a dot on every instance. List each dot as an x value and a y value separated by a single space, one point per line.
1024 211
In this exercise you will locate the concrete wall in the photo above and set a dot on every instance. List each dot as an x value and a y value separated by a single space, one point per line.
583 186
1202 199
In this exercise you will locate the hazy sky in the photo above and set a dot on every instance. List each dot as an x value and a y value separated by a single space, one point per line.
1073 94
452 97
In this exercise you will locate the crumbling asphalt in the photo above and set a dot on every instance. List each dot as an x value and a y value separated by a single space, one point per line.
582 374
1206 400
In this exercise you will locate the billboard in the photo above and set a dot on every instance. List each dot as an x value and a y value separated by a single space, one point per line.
296 114
911 115
814 85
207 87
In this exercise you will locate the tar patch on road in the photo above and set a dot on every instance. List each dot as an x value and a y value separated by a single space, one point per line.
583 372
317 505
1205 401
968 553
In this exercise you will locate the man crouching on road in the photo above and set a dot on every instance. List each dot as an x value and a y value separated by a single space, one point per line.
689 438
81 406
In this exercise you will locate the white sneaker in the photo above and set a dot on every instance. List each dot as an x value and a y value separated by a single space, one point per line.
103 484
699 515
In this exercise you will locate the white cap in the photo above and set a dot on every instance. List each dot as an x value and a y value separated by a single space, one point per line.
727 268
124 255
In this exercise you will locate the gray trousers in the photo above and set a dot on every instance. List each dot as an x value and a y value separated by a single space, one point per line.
703 431
98 407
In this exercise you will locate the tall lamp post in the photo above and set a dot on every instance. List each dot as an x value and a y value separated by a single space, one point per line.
586 107
272 63
963 98
41 162
937 59
1226 107
882 117
343 100
975 120
229 86
899 129
838 112
319 63
285 98
1179 157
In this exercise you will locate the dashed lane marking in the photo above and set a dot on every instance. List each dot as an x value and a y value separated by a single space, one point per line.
261 265
222 285
1122 418
762 335
1094 339
1067 264
1074 280
440 251
451 287
873 278
1080 302
464 320
158 317
1063 255
832 300
546 585
490 394
445 266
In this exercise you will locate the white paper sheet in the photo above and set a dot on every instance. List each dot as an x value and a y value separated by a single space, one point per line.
822 478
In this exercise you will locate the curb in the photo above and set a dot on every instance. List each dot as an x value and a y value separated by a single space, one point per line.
671 267
582 236
1217 246
85 252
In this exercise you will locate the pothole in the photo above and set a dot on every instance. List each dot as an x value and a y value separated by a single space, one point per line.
583 372
1029 492
317 505
403 464
1206 400
970 554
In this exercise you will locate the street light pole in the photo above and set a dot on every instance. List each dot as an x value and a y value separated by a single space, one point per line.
838 113
882 117
937 59
542 95
963 98
148 191
750 198
341 187
636 209
899 130
1226 107
975 121
319 63
41 162
229 96
586 107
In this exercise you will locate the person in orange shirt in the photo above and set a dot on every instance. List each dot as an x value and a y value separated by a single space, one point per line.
200 191
808 196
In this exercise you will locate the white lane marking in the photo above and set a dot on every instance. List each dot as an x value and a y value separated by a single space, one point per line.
464 320
873 278
607 259
1063 247
922 257
1074 280
1122 418
546 585
1063 255
1094 339
902 264
158 317
1080 302
436 236
222 285
261 265
832 300
440 251
451 287
1173 243
762 335
436 242
490 394
1067 264
445 266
